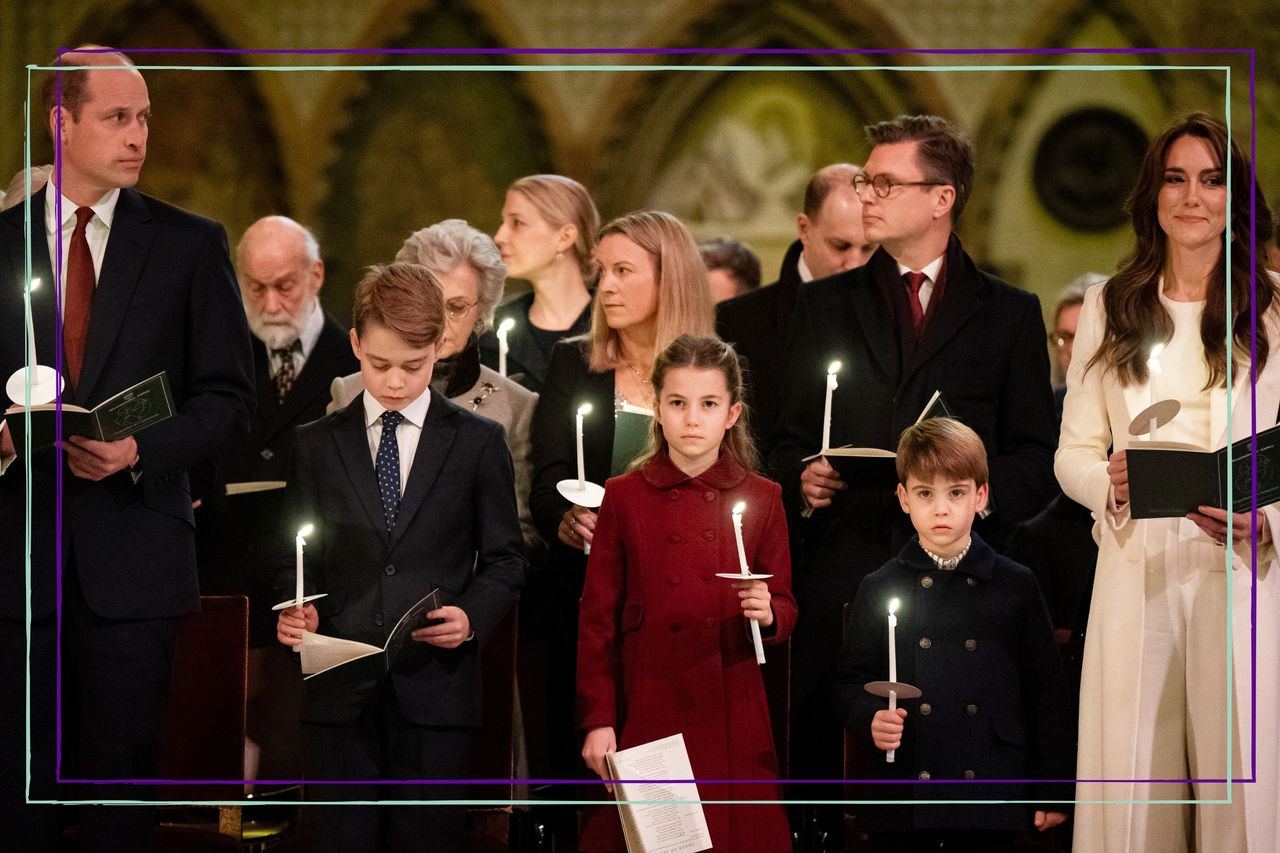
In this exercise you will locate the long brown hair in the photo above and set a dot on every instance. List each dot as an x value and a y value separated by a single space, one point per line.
704 353
1135 318
684 297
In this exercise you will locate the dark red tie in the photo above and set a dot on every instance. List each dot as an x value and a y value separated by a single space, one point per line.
915 280
80 283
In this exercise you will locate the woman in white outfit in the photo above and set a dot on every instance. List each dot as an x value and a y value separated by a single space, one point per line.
1155 689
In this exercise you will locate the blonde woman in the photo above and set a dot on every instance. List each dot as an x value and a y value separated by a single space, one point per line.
547 238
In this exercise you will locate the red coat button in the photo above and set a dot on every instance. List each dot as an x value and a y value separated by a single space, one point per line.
674 579
710 496
710 622
673 538
675 496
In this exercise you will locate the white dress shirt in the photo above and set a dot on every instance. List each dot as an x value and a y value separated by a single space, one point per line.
407 432
930 271
95 233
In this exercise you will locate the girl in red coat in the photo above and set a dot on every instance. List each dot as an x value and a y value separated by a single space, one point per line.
664 645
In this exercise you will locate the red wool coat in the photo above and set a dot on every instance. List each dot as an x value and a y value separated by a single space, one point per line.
663 646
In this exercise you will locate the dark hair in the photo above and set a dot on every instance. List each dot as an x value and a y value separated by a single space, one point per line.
1135 319
721 253
406 298
704 353
75 86
941 446
944 153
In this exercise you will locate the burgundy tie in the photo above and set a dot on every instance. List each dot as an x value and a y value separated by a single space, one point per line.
915 280
79 297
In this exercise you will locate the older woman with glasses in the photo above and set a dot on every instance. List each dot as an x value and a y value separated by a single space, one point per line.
469 268
1168 687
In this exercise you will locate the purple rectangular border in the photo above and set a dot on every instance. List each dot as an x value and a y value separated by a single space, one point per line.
659 52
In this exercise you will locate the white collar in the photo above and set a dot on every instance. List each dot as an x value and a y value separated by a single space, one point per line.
415 413
806 274
930 269
104 209
312 326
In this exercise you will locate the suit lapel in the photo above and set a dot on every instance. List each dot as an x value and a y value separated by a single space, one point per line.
262 381
127 245
960 301
875 320
353 449
434 444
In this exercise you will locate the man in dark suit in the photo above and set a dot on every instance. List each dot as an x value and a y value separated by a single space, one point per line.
144 288
406 492
831 241
919 317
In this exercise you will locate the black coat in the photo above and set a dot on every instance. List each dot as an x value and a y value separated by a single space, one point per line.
166 300
756 324
982 347
526 361
978 643
456 529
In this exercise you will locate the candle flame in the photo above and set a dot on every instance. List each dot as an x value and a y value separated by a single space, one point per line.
834 368
35 284
305 531
893 606
739 507
506 326
1155 354
584 409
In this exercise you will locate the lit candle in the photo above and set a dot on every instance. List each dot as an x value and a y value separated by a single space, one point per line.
31 329
756 640
299 542
738 509
503 328
893 668
1153 369
584 409
826 415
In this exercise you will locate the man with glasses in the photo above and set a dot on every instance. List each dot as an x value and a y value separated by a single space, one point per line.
919 317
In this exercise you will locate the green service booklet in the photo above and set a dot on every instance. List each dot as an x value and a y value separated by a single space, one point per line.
131 411
1168 480
631 425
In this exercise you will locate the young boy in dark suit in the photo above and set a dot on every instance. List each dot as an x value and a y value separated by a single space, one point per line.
974 635
406 492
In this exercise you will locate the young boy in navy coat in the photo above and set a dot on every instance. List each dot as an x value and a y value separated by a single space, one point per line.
974 635
406 493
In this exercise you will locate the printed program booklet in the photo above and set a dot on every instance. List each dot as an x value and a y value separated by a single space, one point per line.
128 412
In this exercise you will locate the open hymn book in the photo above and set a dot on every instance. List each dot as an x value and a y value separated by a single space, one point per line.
334 662
658 816
121 415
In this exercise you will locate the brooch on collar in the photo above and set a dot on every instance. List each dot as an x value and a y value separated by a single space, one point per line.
486 388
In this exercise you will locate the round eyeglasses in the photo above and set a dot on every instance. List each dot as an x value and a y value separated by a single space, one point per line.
883 184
